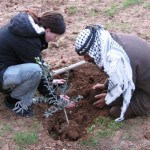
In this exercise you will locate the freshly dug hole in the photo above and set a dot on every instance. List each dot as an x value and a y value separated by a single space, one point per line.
81 116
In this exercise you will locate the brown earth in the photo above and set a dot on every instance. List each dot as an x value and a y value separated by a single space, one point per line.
82 116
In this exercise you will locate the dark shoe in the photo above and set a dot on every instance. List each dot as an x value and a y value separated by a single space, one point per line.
8 105
24 111
11 100
6 92
18 108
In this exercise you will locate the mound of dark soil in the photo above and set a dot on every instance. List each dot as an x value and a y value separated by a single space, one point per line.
83 114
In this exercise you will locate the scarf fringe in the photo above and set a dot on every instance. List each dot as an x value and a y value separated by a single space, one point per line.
126 87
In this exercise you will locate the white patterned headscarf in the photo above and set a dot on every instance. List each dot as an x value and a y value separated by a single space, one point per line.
107 53
87 42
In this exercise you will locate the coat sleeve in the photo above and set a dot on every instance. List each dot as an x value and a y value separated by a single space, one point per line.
27 50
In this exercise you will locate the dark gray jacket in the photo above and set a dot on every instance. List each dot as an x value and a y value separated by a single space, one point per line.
19 43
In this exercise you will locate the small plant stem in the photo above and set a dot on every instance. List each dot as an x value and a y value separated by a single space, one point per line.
66 116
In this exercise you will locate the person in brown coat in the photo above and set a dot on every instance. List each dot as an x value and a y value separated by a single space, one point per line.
125 58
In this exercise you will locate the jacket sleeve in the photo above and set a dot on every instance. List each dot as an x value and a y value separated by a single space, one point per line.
27 50
42 88
48 89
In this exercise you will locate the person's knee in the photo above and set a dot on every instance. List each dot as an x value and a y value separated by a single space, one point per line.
36 71
36 68
32 72
115 111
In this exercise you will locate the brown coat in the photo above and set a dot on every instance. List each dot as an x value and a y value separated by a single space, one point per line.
138 51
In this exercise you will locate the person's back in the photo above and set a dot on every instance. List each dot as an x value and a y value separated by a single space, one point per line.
6 48
138 51
18 42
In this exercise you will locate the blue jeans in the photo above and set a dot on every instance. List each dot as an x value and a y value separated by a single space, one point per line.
23 79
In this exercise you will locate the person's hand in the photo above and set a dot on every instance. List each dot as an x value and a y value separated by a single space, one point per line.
101 102
99 86
58 81
67 98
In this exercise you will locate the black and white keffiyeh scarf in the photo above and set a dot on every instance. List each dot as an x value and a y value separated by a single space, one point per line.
107 53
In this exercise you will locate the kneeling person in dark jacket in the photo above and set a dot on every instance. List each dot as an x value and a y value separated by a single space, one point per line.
21 41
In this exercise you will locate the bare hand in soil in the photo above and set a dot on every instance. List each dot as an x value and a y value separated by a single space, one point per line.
58 81
67 98
99 86
101 102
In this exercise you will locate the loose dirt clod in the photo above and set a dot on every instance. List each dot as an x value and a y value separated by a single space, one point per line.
147 135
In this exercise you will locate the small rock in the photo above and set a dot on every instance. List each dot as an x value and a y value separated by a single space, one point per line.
68 145
15 7
147 135
55 45
55 8
15 3
53 144
69 21
70 112
8 5
73 135
63 61
75 32
59 143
